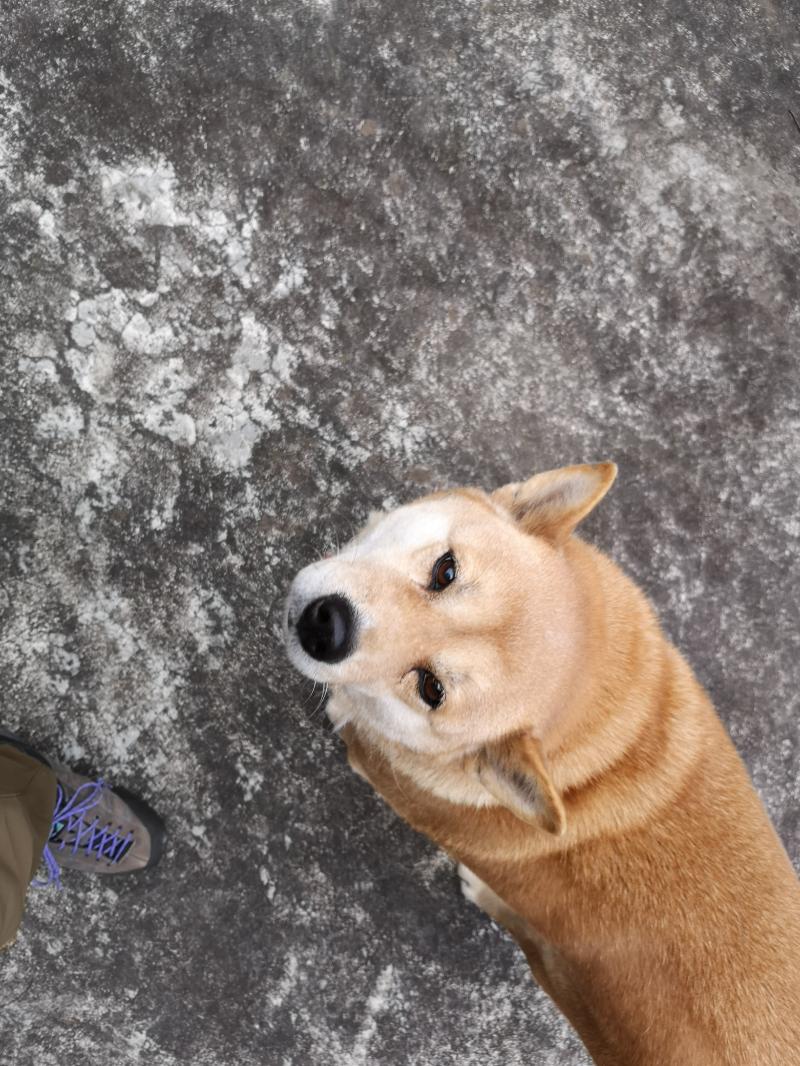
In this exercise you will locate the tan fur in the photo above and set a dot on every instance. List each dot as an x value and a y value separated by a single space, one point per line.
585 780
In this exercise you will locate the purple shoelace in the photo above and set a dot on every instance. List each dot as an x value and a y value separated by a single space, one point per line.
70 816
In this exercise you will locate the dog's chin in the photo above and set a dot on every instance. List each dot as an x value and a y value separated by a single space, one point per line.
381 716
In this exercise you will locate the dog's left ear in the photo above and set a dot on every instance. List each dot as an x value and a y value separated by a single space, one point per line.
514 771
553 503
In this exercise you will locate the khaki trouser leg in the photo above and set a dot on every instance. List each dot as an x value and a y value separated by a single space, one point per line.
27 801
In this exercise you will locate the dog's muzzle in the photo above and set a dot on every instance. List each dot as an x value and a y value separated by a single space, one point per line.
326 629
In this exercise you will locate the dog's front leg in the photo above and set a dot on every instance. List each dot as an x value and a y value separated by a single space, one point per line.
479 893
356 765
544 962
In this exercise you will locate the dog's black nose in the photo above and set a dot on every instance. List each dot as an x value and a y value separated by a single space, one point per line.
325 629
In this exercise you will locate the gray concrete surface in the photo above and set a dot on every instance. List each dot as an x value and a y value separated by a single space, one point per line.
267 266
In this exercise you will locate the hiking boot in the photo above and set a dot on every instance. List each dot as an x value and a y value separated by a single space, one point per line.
96 828
100 830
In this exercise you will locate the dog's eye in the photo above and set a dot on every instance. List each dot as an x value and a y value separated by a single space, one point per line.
444 572
431 690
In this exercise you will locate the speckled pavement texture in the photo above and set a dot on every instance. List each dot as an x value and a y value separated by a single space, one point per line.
268 265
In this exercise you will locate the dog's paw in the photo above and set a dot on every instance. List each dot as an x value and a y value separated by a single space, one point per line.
472 888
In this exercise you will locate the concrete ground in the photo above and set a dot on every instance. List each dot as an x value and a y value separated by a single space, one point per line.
271 264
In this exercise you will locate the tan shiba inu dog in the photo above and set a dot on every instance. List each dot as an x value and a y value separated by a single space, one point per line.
510 693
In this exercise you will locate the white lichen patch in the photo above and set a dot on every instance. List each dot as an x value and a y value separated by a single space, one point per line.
144 191
61 423
250 780
141 338
165 389
96 323
292 277
379 1003
249 769
210 621
253 350
243 408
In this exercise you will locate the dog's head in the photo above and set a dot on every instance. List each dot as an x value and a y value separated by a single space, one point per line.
450 622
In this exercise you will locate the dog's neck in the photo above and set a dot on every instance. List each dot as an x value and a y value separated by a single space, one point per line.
618 670
633 697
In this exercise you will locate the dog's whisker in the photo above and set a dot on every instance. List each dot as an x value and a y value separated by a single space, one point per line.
310 695
322 699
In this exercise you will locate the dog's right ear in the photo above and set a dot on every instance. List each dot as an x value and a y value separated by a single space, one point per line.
553 503
514 771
